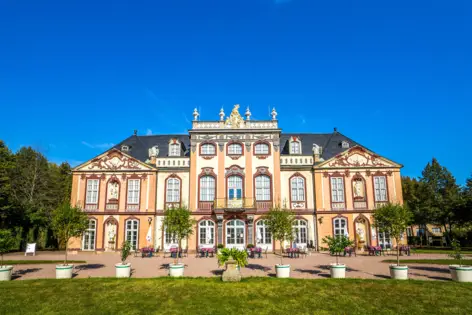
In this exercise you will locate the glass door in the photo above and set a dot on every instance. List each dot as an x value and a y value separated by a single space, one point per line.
235 234
235 192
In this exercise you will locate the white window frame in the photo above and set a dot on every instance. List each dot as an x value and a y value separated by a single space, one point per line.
300 232
385 241
340 227
265 235
380 188
436 230
93 188
206 233
263 188
174 149
337 189
173 190
236 231
207 188
261 149
295 147
134 189
235 149
297 188
205 149
89 237
132 232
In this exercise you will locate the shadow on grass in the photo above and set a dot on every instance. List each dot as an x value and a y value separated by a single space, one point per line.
257 267
18 273
440 278
434 269
382 276
89 267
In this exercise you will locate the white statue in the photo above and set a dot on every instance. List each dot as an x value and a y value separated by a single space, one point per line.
222 114
114 190
111 234
195 114
154 151
357 188
274 114
360 232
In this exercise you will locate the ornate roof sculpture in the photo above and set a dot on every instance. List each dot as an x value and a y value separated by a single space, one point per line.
234 120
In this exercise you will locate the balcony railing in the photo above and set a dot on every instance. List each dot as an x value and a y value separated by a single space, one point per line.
132 207
91 207
379 204
358 204
338 206
235 203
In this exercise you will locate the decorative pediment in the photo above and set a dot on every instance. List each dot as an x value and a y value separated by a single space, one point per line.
358 157
113 160
234 170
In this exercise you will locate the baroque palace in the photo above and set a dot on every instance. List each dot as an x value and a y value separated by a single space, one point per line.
229 173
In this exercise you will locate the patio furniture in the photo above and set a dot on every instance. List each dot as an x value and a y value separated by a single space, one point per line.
265 251
185 252
147 252
349 251
30 249
374 250
303 251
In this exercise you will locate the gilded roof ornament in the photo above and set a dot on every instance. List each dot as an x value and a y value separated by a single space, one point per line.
234 120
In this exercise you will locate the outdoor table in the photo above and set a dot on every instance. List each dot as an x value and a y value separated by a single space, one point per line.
206 252
293 252
255 250
173 252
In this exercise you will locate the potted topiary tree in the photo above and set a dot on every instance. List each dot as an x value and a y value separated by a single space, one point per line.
178 221
68 222
279 223
459 272
394 219
6 244
336 246
123 269
233 259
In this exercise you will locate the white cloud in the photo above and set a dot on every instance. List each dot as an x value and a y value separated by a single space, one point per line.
148 132
100 146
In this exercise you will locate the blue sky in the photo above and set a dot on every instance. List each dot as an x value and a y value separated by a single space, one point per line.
79 76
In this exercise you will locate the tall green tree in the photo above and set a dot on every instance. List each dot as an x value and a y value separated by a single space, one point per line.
440 196
411 188
279 222
179 223
7 164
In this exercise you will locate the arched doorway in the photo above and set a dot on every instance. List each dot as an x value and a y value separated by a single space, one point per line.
235 234
263 236
110 234
362 232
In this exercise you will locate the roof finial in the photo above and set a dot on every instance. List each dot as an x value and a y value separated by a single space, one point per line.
135 132
335 129
248 114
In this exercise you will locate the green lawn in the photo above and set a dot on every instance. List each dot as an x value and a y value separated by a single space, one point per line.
467 262
36 262
251 296
439 251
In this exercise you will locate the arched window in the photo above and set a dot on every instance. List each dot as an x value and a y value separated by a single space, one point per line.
207 188
132 233
173 190
88 239
174 149
263 235
263 188
235 149
297 185
261 148
208 149
206 230
340 226
300 232
295 147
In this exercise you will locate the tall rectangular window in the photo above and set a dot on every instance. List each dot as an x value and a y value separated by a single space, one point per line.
262 188
380 187
207 188
92 191
173 190
337 189
133 191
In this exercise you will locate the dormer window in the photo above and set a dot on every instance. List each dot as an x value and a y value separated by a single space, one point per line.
208 149
174 149
295 148
345 145
124 148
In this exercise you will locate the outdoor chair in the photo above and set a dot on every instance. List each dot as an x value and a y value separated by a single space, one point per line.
30 249
304 252
349 251
185 252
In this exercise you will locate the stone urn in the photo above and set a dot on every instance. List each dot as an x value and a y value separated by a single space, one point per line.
232 273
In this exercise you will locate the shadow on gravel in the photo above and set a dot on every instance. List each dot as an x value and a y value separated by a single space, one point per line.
21 272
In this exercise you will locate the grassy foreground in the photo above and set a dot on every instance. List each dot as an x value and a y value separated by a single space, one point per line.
439 251
251 296
37 262
466 262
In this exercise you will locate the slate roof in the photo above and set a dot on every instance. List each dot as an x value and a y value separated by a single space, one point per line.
330 142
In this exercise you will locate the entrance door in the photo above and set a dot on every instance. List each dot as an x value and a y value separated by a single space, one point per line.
235 234
235 192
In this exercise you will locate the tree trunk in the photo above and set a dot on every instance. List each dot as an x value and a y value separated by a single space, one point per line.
398 251
281 252
179 250
2 260
67 244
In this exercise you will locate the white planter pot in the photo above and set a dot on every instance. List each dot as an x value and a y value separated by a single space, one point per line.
176 270
461 273
123 271
5 273
282 271
338 271
399 272
64 271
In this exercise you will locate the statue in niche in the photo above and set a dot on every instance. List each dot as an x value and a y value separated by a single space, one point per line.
113 191
358 189
110 234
